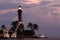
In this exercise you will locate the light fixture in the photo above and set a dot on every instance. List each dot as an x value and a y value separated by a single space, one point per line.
20 8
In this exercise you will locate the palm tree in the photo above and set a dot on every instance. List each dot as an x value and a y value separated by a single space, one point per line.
19 30
14 25
3 27
21 27
16 28
30 25
12 29
33 26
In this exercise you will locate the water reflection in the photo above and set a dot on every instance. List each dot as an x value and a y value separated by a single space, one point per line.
31 39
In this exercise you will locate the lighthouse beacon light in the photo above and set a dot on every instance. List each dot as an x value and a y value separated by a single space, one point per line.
20 8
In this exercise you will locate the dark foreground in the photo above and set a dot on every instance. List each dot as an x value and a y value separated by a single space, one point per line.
29 38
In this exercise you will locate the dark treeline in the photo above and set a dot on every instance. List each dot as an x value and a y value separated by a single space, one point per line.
20 31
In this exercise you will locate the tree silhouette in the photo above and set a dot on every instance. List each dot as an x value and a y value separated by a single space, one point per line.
2 31
30 25
15 29
12 29
20 29
14 25
33 26
3 27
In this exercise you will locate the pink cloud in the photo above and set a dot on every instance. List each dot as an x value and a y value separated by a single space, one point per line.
15 1
47 0
2 0
49 14
6 11
54 2
31 1
57 11
23 1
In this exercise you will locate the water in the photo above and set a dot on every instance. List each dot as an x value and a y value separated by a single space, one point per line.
32 39
41 39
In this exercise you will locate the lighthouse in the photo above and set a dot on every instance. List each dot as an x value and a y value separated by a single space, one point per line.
19 14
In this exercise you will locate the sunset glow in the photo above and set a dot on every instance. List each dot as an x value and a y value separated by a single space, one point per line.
46 13
32 1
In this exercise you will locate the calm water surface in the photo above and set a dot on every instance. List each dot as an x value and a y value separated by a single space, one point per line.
41 39
33 39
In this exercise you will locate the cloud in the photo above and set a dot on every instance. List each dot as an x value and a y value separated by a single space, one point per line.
57 11
47 0
2 0
45 3
22 1
54 2
31 1
6 11
49 14
10 1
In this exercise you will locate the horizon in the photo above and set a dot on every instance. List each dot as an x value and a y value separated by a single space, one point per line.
45 13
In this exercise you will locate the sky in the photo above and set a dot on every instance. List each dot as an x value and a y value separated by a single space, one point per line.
45 13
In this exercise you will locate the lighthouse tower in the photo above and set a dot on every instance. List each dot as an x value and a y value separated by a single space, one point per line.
19 14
